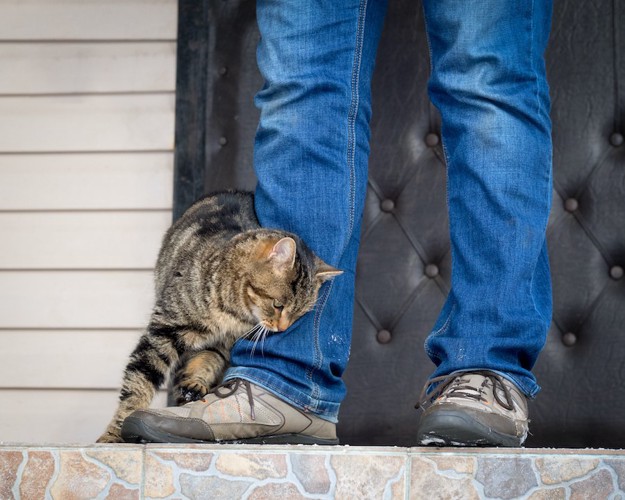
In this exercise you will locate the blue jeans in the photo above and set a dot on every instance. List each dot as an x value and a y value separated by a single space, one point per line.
311 151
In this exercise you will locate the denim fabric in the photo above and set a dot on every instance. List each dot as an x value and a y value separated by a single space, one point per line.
311 150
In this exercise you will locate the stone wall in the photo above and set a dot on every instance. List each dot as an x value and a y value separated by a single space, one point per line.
267 472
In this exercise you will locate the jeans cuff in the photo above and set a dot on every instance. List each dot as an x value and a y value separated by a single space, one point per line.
323 409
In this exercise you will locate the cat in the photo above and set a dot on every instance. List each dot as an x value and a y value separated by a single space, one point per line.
219 276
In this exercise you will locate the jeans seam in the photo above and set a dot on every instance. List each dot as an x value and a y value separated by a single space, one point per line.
317 355
444 327
532 41
447 164
353 115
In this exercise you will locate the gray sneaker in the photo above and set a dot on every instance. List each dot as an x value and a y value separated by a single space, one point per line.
234 412
479 408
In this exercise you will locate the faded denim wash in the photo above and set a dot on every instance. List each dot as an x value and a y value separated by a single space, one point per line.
311 151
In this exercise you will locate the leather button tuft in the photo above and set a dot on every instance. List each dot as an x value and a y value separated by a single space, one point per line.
571 204
432 140
616 272
569 339
431 270
384 336
387 205
616 139
223 70
223 141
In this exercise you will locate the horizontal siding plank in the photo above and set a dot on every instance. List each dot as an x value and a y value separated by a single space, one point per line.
92 82
65 359
81 240
58 416
86 181
48 68
75 299
88 19
87 123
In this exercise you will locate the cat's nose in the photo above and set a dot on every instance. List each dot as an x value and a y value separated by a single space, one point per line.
283 323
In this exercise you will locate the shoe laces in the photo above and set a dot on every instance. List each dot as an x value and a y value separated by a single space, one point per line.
457 386
229 387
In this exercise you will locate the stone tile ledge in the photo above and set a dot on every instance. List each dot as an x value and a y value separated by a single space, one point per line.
316 472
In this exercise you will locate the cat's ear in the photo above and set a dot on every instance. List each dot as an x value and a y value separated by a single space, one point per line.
325 271
282 255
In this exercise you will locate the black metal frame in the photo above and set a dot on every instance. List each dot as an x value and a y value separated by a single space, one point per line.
191 101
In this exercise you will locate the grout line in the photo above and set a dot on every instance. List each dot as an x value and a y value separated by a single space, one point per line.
142 480
408 475
327 463
19 473
55 473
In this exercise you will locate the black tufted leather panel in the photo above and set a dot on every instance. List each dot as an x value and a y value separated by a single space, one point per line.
404 263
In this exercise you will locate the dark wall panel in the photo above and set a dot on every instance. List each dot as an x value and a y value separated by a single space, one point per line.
404 263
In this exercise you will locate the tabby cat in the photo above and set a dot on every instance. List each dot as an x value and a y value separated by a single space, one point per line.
219 277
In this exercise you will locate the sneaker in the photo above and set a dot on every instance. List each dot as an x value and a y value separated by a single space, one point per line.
479 408
237 411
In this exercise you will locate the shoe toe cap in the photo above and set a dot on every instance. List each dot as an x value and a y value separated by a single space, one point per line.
457 425
168 425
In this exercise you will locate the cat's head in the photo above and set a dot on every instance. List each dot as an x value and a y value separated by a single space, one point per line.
284 281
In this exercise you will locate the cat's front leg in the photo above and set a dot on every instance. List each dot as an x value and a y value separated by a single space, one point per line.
146 371
198 372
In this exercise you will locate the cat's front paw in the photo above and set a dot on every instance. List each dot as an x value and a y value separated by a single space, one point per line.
190 391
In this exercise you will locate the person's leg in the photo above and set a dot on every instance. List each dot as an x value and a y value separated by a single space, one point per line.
311 155
488 81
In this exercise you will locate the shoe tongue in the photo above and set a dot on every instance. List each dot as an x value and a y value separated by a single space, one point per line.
470 381
470 386
476 385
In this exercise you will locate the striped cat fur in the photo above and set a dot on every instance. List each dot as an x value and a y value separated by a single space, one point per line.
219 277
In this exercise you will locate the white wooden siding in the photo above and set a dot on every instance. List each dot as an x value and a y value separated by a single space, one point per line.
87 123
87 94
106 20
96 361
53 68
57 416
86 181
82 240
75 299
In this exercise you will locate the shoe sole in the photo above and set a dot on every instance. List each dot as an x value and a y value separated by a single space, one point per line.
136 431
455 428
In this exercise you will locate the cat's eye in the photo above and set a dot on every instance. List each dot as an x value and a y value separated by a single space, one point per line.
277 304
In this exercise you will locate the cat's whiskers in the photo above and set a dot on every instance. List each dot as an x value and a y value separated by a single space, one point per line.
260 334
252 331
